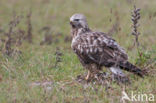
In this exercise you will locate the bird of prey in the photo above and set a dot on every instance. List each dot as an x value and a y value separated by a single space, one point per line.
97 49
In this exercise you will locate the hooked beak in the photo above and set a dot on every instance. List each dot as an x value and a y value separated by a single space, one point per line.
72 24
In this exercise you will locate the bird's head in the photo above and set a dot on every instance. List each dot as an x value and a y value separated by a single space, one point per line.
78 21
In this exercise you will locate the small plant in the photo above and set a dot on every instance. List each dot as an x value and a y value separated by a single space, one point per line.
48 37
29 28
144 58
11 39
135 18
20 36
58 58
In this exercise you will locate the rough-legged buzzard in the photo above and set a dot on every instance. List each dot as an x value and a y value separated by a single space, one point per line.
97 49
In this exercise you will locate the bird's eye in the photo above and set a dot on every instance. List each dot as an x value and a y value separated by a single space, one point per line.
76 19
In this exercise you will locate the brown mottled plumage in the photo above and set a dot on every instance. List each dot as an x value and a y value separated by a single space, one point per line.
96 49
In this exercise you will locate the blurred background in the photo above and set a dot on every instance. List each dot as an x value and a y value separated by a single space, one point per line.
102 15
35 47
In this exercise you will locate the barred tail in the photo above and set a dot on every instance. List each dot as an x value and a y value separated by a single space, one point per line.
132 68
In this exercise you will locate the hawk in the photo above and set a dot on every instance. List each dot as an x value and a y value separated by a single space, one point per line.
97 49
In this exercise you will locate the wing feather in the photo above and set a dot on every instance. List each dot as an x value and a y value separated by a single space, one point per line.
99 48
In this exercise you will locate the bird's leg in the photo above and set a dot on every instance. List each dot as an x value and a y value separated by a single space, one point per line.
88 75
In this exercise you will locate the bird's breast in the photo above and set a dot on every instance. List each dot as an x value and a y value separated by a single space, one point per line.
73 44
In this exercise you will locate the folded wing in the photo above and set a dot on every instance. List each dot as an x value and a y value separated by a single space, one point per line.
96 47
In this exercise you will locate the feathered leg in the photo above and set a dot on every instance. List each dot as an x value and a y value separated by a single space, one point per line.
92 70
118 75
117 71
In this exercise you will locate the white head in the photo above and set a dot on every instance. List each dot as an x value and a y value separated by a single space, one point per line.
78 21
